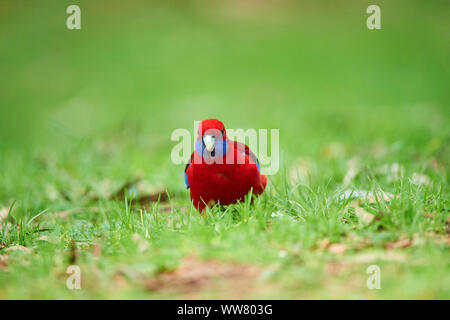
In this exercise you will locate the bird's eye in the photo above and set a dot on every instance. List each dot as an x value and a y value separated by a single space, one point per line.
223 130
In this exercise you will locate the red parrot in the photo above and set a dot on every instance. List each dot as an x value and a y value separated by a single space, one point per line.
220 170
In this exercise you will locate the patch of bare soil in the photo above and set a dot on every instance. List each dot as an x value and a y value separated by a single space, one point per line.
194 275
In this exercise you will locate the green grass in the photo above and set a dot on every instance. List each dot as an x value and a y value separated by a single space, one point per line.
83 113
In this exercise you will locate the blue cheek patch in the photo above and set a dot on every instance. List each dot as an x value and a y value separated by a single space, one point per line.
220 149
200 148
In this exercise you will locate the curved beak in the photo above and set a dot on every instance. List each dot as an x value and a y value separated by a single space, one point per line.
210 142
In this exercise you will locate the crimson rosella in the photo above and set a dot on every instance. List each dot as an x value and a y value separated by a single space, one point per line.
220 170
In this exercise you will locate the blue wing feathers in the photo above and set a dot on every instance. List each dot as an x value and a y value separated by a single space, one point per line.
186 180
185 171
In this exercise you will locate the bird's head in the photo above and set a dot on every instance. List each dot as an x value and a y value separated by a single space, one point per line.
212 138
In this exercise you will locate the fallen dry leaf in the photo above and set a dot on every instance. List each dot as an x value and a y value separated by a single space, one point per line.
429 214
119 279
4 213
324 244
362 197
336 248
399 244
361 213
3 261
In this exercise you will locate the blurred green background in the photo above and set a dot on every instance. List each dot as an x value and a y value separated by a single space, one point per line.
139 69
117 88
81 108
